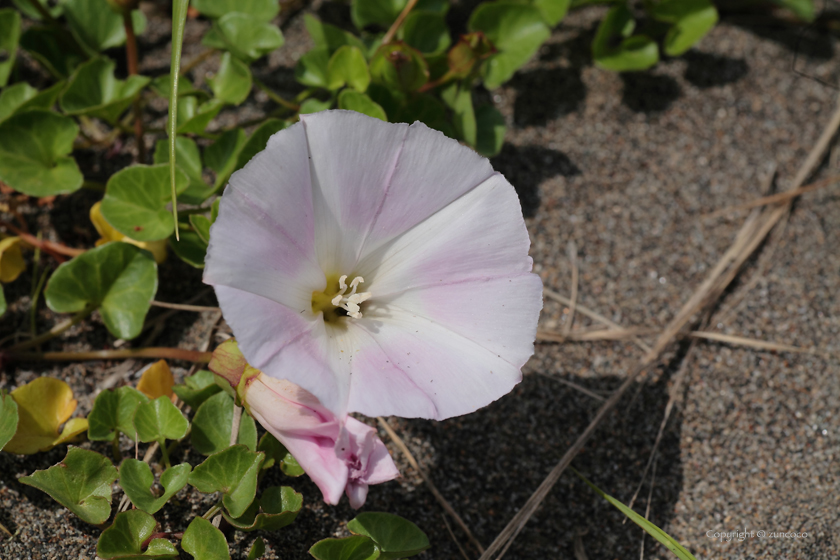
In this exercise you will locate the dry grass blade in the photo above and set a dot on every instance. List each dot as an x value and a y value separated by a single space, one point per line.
454 538
432 488
751 235
574 386
774 198
751 342
184 307
571 253
551 294
600 334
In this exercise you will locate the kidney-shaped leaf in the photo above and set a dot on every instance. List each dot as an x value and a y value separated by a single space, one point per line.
9 38
516 30
349 548
262 9
125 537
22 97
330 37
276 452
33 154
360 102
277 507
119 278
691 20
44 404
232 83
427 32
94 90
246 37
348 66
396 537
135 201
205 542
8 418
212 422
113 411
81 483
157 380
232 472
136 480
159 420
98 27
611 52
197 388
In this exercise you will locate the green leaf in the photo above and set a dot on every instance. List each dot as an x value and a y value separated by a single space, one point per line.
161 85
399 66
651 529
125 537
396 537
276 508
350 548
375 12
258 140
553 10
804 9
221 155
262 9
197 388
691 20
348 66
355 101
490 130
136 479
135 201
193 117
246 37
93 90
257 549
201 224
81 483
458 97
97 27
330 37
54 48
2 301
426 31
516 30
191 248
232 472
113 411
9 39
22 97
205 542
173 122
232 83
189 161
33 154
212 422
313 105
312 68
276 452
632 53
8 414
119 278
159 420
27 9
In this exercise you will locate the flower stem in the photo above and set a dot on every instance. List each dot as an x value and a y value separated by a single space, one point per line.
152 352
398 22
131 55
50 334
164 453
213 510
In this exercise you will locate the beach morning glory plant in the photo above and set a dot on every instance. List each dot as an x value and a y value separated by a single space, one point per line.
381 267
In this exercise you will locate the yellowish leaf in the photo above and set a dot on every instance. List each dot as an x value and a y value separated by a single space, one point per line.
44 404
11 259
108 233
72 428
157 381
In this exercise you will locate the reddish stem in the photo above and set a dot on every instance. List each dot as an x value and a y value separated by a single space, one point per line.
159 353
54 249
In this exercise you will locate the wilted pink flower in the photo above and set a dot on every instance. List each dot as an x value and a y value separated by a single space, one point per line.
382 267
339 455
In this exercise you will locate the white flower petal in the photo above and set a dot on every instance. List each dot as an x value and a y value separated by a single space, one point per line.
284 345
263 239
432 171
457 375
480 236
353 158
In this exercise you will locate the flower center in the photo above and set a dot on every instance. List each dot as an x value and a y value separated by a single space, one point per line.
336 301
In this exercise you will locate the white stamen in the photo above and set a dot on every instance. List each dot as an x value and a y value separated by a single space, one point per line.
351 301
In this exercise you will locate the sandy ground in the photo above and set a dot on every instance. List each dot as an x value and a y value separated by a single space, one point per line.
627 167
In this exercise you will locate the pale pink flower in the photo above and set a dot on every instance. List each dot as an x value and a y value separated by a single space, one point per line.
382 267
340 455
